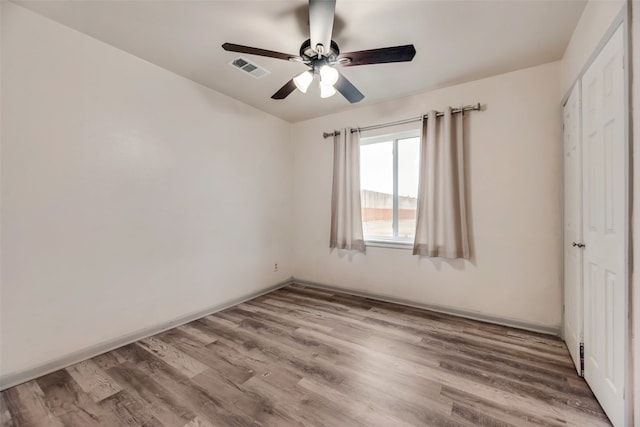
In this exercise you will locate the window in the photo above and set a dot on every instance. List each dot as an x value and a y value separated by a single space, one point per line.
389 168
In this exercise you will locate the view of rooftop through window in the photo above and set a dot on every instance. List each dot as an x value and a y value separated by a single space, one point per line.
389 183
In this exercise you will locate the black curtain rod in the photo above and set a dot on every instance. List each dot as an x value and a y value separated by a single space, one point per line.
475 107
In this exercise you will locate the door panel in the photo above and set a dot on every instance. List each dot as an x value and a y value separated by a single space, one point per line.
573 301
605 254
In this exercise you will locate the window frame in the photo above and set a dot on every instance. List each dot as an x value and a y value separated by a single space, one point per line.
393 242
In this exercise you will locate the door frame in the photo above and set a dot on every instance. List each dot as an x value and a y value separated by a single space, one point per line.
622 19
577 89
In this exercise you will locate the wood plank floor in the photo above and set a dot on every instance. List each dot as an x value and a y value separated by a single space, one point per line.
301 356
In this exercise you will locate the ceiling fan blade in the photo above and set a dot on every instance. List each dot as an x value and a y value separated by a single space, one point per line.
321 14
403 53
285 90
348 90
260 52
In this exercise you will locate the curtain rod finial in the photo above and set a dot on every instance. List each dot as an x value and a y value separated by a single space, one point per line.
326 135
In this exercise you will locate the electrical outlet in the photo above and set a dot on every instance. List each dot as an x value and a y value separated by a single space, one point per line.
275 267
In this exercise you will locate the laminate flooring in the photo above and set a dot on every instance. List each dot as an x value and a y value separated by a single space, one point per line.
303 356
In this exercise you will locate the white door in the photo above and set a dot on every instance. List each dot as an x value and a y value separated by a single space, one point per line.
573 301
605 171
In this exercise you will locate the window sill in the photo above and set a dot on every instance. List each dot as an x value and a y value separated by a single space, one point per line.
389 244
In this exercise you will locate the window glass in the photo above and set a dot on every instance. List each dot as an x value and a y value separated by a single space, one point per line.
389 168
408 170
376 183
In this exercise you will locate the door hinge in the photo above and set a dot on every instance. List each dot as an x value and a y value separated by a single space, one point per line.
582 359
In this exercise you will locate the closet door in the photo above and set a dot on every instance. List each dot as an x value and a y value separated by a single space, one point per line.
573 301
605 172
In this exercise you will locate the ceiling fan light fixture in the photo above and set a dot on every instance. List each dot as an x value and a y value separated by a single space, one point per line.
326 90
328 75
303 80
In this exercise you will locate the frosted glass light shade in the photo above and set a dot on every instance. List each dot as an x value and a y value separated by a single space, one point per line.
326 90
328 75
303 80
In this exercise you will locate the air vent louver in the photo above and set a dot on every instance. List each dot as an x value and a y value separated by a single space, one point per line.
251 68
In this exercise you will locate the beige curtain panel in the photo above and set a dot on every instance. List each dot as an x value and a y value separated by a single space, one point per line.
346 214
441 217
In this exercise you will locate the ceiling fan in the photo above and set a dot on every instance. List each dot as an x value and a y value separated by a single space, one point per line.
321 55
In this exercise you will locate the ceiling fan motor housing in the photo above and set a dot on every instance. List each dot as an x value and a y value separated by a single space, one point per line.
309 54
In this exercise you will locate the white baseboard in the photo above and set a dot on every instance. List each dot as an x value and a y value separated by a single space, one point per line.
14 378
514 323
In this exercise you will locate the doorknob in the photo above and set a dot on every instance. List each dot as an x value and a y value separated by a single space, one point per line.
580 245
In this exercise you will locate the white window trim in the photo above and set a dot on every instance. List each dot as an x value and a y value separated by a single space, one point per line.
392 244
379 241
414 133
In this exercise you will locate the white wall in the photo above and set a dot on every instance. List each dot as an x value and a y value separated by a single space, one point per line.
514 152
130 196
594 22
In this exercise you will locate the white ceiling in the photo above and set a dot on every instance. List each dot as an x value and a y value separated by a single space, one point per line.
456 41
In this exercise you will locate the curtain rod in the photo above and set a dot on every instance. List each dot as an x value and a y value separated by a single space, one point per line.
475 107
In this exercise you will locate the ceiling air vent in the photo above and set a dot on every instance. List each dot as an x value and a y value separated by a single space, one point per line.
251 68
